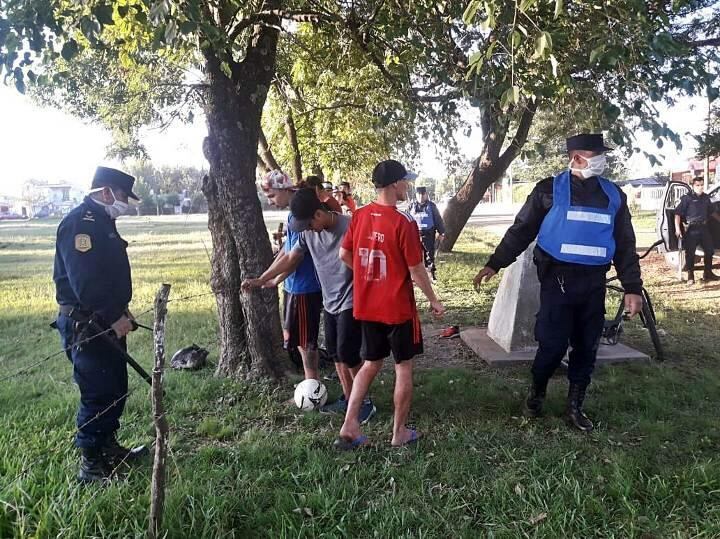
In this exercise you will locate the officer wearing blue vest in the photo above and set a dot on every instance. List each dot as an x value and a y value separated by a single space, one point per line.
93 283
582 225
430 222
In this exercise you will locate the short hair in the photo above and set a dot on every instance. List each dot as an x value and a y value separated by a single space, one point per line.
698 179
345 184
313 181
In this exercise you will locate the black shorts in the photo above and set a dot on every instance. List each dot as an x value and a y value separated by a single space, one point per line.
301 319
403 340
343 337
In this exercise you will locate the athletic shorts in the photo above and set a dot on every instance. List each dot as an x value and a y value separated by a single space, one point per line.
343 337
403 340
301 319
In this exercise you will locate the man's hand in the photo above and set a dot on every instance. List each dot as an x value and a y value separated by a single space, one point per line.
122 326
132 319
483 276
248 284
633 304
678 232
437 308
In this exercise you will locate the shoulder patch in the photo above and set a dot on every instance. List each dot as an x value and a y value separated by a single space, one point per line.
83 243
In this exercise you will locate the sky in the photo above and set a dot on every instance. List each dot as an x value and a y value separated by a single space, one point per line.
45 143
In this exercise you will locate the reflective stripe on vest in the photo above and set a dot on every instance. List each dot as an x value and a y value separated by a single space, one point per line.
579 234
424 218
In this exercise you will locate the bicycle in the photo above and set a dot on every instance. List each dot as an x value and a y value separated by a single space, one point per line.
614 327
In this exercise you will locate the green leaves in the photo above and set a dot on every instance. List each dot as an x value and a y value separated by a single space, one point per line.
510 97
543 45
558 8
104 14
69 50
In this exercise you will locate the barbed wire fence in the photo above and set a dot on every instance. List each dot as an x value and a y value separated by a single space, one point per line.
161 445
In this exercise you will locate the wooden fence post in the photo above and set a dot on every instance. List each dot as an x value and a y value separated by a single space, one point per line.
157 489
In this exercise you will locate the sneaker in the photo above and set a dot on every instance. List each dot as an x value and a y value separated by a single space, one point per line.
367 411
337 407
450 332
691 282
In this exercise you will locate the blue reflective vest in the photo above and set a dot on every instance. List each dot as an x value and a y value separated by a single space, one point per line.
578 234
423 216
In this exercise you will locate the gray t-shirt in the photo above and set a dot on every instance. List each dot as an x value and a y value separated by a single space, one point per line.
336 279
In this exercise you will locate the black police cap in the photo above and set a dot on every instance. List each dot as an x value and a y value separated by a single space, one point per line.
421 190
585 141
110 177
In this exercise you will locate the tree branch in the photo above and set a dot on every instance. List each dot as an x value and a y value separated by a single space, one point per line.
521 135
711 42
272 16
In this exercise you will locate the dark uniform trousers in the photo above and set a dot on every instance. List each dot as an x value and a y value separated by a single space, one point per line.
572 312
427 238
698 235
101 375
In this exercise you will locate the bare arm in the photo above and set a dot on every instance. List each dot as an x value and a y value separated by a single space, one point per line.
420 277
346 257
284 264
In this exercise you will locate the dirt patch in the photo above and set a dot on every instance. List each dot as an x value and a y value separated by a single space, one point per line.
444 353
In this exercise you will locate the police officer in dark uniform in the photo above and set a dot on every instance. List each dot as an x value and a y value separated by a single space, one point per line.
430 223
582 224
93 290
695 211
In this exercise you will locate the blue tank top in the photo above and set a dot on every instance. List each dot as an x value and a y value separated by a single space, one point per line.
579 234
304 279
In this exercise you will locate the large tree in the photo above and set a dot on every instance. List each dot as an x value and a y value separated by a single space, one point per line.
507 60
233 45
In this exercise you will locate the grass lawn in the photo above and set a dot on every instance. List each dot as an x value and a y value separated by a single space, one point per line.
244 464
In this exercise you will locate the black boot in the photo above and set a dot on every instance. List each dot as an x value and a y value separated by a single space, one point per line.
710 276
116 454
93 466
535 398
573 413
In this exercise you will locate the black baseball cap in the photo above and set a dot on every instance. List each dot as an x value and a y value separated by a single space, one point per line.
421 190
303 206
586 141
388 172
110 177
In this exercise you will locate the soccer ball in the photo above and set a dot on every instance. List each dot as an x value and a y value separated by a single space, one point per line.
310 395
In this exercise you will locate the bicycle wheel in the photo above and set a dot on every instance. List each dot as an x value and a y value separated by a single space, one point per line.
648 318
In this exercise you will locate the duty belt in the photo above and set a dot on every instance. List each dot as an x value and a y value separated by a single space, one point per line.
76 313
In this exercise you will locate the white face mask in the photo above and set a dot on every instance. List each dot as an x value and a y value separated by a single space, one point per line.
117 208
596 166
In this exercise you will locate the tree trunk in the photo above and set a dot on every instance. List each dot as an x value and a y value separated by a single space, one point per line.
265 153
293 139
250 335
488 168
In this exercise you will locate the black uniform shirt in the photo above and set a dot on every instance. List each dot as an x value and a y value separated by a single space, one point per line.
92 270
584 192
695 209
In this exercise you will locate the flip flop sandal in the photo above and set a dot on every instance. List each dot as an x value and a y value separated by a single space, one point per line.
414 437
341 444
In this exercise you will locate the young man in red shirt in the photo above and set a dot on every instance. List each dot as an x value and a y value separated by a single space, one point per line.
382 246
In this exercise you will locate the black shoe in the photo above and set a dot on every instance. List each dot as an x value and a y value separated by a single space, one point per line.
93 467
116 454
710 276
573 413
535 398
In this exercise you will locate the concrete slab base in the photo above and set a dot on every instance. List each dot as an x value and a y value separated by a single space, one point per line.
489 351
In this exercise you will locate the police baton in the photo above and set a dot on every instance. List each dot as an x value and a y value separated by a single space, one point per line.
128 358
